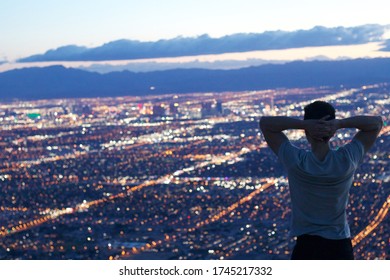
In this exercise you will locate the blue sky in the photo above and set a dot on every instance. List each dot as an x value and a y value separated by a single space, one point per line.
33 26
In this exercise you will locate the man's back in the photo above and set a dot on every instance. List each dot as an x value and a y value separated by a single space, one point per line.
319 189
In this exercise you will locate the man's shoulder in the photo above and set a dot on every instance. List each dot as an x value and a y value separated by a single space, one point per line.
353 150
289 152
292 146
353 146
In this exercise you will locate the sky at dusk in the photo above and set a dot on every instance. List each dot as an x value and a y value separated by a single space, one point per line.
31 27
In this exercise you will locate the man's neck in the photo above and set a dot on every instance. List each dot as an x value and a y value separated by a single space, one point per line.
320 150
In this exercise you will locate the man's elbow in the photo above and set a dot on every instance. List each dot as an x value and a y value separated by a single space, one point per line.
379 123
264 123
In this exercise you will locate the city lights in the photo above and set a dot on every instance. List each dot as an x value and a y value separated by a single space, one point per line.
181 176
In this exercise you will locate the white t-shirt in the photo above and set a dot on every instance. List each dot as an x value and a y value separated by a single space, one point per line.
320 189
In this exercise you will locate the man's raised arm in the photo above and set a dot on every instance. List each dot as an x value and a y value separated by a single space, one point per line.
272 128
368 126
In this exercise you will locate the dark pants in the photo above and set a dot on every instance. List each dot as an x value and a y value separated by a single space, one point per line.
313 247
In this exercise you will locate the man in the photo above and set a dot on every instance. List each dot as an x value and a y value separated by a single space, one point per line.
320 179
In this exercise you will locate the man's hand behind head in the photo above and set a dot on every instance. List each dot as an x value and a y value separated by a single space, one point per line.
321 130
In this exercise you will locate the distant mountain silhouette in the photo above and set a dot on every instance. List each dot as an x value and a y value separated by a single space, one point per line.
181 46
60 82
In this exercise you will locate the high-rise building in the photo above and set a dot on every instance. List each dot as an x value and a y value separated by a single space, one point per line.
159 111
219 108
174 109
146 109
207 109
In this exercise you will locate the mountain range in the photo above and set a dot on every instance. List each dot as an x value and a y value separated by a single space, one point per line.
61 82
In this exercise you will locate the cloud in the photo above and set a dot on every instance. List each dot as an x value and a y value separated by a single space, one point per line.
66 53
201 45
386 45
